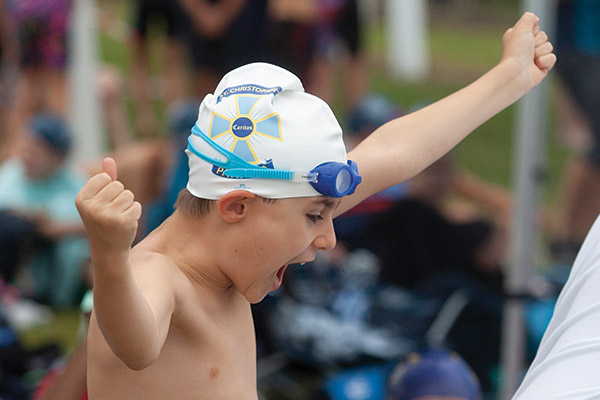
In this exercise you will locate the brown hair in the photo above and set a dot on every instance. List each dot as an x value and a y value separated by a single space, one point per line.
193 206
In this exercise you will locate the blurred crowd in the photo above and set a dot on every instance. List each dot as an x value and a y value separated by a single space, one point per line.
417 267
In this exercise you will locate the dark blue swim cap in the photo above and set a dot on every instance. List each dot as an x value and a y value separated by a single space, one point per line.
53 130
433 373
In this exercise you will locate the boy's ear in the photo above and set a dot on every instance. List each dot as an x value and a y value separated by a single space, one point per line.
233 206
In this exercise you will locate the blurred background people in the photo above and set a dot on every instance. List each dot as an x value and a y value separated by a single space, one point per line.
155 169
43 27
181 117
221 35
434 374
578 67
372 111
441 233
37 193
110 83
171 79
321 42
457 194
9 67
291 37
338 71
66 378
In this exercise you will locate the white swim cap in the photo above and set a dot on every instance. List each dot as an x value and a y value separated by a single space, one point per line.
261 113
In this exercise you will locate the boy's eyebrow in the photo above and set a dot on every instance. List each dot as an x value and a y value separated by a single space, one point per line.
328 203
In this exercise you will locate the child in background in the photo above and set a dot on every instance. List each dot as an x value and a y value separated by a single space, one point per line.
434 374
37 190
172 316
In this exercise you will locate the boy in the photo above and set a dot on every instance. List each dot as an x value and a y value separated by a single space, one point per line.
172 315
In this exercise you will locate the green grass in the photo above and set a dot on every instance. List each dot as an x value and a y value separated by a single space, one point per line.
61 330
465 49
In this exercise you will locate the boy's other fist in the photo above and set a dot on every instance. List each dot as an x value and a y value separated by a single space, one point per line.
527 46
108 210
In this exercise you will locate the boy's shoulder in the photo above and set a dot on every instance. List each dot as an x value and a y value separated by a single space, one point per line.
153 266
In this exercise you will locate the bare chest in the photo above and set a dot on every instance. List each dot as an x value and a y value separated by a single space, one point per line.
217 352
208 357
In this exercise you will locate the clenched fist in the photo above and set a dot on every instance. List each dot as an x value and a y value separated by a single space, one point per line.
528 47
109 212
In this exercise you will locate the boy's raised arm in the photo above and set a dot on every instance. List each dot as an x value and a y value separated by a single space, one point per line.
403 147
134 324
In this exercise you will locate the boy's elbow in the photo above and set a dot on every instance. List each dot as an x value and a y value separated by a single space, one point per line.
137 360
138 363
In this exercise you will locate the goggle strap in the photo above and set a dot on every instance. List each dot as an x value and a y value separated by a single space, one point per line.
206 158
237 167
267 173
251 171
233 160
260 173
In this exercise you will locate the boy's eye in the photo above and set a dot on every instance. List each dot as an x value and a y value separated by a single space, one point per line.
314 218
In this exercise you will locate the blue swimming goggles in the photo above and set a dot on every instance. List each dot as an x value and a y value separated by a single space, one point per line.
332 179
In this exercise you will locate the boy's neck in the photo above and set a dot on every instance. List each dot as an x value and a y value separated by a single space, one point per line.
190 243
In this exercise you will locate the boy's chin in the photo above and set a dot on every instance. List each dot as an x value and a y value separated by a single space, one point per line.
256 301
255 298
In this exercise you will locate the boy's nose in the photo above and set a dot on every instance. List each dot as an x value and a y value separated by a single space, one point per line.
326 240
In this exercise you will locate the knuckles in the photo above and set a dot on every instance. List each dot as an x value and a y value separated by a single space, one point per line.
106 213
127 196
117 186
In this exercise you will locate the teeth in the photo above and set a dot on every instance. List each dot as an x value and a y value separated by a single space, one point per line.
302 263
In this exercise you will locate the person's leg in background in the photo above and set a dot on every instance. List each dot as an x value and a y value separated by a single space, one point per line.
168 82
579 115
43 37
578 67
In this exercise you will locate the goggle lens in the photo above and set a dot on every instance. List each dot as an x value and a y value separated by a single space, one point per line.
343 180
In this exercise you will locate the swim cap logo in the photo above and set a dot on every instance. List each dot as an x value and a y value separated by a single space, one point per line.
242 127
245 126
249 89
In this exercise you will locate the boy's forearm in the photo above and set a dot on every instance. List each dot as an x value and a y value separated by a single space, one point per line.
403 147
123 313
426 135
134 322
